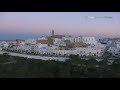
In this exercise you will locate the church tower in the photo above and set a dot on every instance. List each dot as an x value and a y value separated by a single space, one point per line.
52 32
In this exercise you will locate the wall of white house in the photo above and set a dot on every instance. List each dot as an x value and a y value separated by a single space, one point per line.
79 51
114 50
31 41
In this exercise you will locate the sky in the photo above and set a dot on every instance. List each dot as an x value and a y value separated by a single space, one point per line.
22 25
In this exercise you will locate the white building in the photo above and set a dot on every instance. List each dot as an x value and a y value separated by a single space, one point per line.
82 51
30 41
62 52
42 38
118 45
73 39
89 51
59 42
4 45
35 48
22 43
95 49
114 50
23 48
89 40
109 42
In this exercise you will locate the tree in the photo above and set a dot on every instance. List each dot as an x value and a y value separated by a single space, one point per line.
72 57
117 61
92 62
103 63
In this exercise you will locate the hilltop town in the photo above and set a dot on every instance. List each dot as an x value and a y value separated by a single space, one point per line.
57 45
63 46
67 56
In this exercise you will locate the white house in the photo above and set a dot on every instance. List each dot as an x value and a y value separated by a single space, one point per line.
82 51
59 42
73 39
42 38
89 51
30 41
114 50
89 40
35 48
4 45
118 45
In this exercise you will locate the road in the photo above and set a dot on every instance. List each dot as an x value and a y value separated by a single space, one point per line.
36 56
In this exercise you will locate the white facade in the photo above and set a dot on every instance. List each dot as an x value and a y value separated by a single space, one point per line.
59 42
83 51
98 45
114 50
35 48
89 40
109 43
26 48
73 39
89 51
118 45
22 43
4 45
42 38
56 40
30 41
55 52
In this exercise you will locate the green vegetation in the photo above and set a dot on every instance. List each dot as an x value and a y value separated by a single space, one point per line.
75 67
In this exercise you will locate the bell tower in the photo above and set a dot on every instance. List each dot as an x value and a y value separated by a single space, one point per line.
52 32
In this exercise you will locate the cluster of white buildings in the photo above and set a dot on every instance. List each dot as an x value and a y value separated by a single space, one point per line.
114 48
58 45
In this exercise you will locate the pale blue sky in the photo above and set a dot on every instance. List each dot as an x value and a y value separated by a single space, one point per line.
73 23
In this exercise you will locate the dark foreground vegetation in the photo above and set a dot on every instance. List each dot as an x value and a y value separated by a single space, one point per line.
16 67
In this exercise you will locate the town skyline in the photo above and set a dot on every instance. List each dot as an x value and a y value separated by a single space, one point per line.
25 25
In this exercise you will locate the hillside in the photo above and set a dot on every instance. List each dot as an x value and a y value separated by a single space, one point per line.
16 67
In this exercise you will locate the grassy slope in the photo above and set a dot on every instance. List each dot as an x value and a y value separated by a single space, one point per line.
28 68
